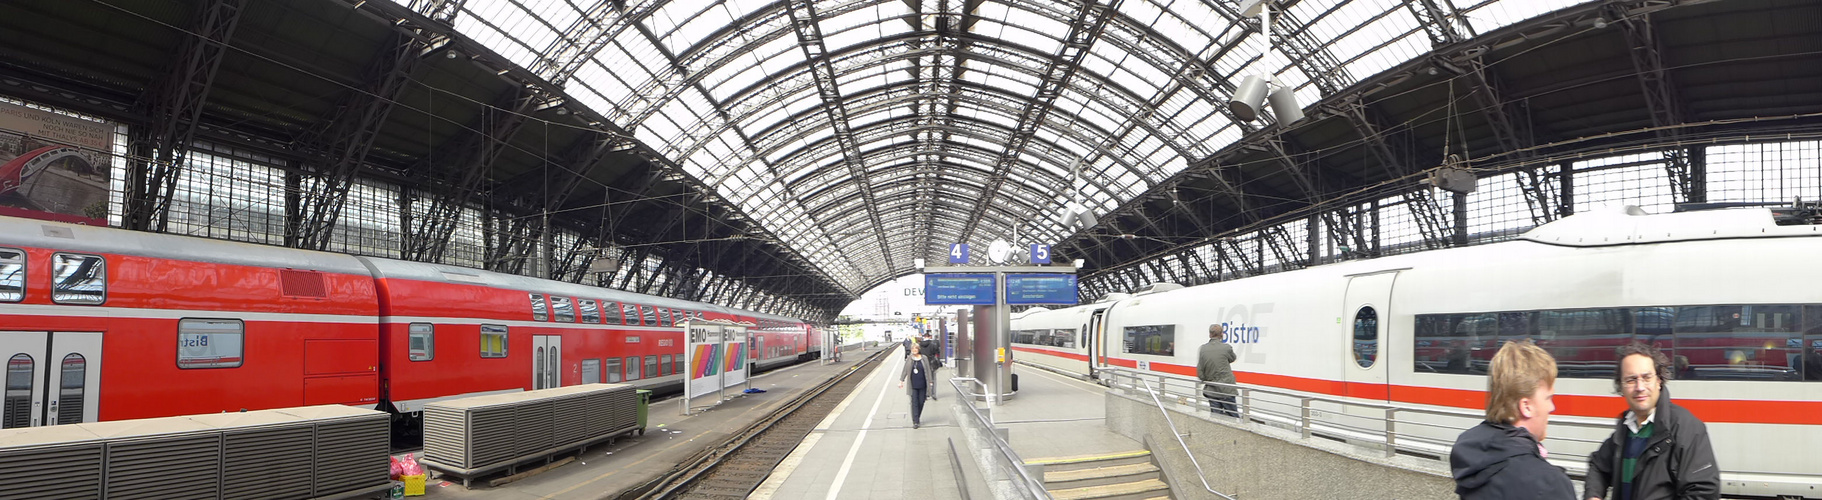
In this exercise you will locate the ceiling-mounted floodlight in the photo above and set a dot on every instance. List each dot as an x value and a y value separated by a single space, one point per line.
1284 105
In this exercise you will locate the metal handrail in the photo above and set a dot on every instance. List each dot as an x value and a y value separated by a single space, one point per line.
1032 486
1304 419
1179 435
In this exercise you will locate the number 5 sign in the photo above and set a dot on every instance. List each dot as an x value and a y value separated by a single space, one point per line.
958 253
1040 253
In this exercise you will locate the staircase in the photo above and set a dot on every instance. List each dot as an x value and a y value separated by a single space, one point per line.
1119 476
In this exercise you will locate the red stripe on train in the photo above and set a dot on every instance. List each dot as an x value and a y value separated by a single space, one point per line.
1714 411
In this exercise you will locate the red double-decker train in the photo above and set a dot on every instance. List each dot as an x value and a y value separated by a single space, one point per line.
106 324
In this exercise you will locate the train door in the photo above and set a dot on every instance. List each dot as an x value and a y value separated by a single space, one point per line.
1366 316
51 378
1097 353
546 361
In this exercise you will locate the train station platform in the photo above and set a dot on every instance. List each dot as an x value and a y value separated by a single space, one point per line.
867 448
670 438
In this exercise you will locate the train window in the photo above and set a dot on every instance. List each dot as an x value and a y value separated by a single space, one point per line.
664 365
590 312
12 275
69 393
1155 340
650 314
561 308
1583 340
651 366
631 311
537 307
610 312
1065 338
1024 336
1812 343
1366 337
209 343
1455 343
19 391
423 342
79 279
1756 342
493 341
632 368
664 318
611 366
591 371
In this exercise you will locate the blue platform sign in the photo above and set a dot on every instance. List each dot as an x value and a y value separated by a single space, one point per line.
1024 289
1040 253
958 289
958 253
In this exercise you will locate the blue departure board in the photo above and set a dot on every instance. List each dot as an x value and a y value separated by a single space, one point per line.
1048 288
958 289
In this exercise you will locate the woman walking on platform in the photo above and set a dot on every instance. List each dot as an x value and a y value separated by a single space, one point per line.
923 377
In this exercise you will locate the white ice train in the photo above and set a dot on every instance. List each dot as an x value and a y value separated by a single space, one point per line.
1734 296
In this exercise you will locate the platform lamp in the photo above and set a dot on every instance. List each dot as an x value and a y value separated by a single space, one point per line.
1253 92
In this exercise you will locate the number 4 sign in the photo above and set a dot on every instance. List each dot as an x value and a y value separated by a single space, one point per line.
1040 253
958 253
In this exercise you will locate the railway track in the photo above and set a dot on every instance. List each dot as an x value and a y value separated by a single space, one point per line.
735 467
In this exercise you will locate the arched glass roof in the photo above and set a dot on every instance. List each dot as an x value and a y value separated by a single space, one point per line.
868 133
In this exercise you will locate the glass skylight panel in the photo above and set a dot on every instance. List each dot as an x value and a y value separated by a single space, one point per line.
1407 46
697 29
1490 15
855 86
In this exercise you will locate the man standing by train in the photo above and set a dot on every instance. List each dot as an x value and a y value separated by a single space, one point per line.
1215 363
1503 457
1658 449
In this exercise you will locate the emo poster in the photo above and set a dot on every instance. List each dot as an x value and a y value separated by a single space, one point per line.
53 167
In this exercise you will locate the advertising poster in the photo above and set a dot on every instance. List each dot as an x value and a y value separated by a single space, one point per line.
704 349
53 167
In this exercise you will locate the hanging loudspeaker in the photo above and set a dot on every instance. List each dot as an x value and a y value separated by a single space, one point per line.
1248 97
1284 106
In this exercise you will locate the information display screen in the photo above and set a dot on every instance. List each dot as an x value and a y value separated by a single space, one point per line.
960 290
1023 289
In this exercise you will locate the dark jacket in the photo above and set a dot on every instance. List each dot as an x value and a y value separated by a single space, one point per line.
1677 463
1500 461
929 375
1215 363
928 347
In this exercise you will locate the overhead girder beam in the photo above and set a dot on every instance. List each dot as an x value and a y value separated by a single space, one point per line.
173 106
1661 98
429 238
443 11
805 21
595 29
337 151
689 81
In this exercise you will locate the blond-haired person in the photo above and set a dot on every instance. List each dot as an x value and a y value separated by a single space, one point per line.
1503 457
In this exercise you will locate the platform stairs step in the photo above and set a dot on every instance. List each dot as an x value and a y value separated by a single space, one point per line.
1116 476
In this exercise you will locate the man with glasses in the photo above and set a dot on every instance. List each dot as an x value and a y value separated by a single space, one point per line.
1658 449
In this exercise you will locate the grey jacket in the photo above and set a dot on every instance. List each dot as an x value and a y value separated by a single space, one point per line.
1215 363
929 374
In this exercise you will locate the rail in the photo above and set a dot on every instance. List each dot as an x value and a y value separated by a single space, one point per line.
1414 431
1024 484
1179 435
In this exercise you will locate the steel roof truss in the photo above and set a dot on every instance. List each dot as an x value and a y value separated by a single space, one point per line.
174 109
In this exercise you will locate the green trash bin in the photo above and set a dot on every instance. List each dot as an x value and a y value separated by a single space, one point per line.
645 403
